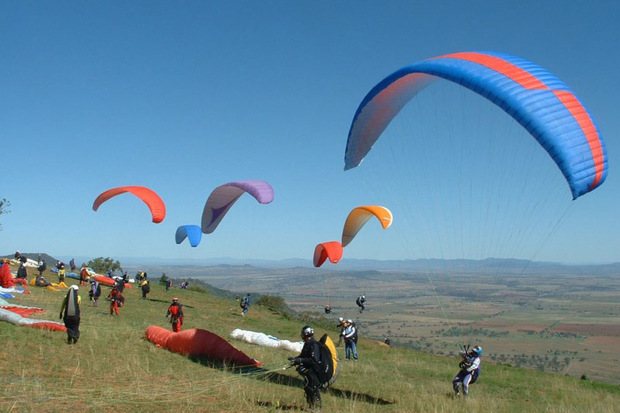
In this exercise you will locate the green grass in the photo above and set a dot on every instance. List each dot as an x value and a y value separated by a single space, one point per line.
113 368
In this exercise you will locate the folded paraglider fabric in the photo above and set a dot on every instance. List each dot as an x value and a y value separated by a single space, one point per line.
107 280
15 318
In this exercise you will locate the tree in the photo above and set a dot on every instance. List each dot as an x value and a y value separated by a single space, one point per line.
4 204
103 265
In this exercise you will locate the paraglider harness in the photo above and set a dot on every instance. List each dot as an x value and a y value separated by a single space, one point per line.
116 296
466 361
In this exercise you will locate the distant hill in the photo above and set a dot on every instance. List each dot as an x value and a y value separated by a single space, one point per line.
177 267
49 260
188 268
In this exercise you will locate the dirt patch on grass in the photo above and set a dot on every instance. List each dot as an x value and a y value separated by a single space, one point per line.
521 327
613 342
608 330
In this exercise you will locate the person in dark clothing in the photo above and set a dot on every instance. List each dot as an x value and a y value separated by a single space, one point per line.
175 312
360 302
71 309
42 267
95 291
168 284
40 281
245 304
146 288
22 272
72 264
307 363
119 284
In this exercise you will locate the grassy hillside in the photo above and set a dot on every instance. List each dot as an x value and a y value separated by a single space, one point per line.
113 368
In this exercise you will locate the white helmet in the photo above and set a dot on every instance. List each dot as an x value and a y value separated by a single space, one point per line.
74 286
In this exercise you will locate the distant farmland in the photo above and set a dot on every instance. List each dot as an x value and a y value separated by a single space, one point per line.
568 324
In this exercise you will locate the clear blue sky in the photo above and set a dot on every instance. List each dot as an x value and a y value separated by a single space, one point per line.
184 96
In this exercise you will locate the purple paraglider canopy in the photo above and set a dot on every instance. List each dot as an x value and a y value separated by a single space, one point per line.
224 197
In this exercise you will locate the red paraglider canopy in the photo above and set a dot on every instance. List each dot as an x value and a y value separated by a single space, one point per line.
149 197
198 342
332 250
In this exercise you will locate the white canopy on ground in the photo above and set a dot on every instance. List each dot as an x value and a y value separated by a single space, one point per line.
263 339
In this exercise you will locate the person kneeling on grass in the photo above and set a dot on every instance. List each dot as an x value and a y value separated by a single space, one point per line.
470 370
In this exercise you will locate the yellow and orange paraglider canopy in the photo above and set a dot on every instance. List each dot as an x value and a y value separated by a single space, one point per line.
359 216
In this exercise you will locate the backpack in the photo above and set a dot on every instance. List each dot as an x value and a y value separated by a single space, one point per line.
327 369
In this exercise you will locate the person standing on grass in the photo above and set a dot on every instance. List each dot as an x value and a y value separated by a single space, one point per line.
470 370
175 312
61 273
116 301
95 291
308 364
22 273
83 275
145 287
341 325
245 304
350 340
71 309
42 267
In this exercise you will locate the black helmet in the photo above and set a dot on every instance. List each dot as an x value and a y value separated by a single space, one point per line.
307 331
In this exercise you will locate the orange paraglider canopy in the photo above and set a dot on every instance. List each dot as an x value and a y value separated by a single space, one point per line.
148 196
332 250
359 216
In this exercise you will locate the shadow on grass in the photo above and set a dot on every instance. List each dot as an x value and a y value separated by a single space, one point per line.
259 373
166 301
277 406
